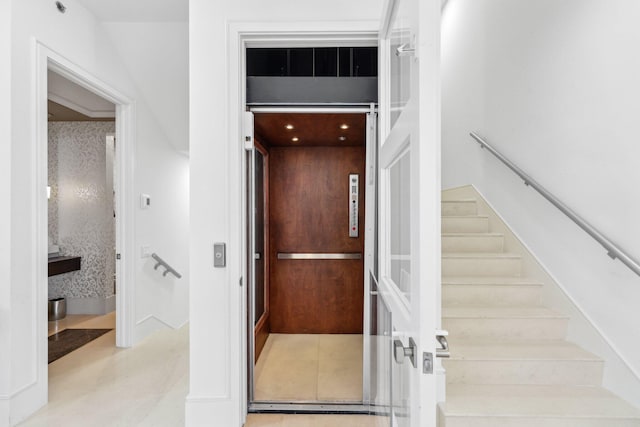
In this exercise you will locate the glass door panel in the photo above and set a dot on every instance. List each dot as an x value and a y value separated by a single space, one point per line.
409 205
260 294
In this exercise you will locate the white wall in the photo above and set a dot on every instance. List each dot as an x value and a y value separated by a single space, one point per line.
5 211
158 63
216 365
159 171
554 86
164 228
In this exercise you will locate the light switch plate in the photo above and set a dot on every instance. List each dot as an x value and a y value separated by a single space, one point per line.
145 201
145 251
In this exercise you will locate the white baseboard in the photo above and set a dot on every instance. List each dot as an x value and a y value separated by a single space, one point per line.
208 411
94 305
150 324
20 405
5 411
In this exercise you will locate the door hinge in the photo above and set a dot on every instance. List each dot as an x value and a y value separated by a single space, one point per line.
118 256
248 130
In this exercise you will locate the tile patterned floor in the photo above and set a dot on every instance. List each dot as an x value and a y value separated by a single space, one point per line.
310 368
100 385
83 321
69 340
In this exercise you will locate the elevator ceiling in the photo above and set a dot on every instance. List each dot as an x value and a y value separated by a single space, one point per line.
310 129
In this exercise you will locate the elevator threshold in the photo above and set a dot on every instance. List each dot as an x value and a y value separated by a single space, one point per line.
310 408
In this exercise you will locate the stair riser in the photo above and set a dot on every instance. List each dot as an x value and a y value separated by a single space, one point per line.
534 421
465 225
516 329
478 243
481 266
459 208
566 372
490 295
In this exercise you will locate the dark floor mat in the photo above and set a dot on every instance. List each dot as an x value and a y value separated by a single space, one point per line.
65 342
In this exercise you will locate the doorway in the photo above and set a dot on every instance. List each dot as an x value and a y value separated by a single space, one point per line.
48 60
82 218
307 248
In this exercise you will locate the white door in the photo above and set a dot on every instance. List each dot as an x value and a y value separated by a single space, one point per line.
409 254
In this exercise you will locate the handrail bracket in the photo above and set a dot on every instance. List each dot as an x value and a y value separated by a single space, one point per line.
167 267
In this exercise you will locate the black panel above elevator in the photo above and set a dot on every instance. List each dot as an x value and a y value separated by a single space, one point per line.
312 76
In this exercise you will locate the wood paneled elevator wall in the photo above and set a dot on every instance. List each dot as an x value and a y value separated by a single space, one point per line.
309 213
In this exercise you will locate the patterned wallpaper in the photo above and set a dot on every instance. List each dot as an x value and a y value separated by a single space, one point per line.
81 207
52 181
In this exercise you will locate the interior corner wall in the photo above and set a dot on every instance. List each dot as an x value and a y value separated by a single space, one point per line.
216 360
163 228
554 86
158 169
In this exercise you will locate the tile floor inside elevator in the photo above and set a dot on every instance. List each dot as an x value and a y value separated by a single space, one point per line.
310 368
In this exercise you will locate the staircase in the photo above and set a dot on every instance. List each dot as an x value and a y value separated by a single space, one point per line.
510 364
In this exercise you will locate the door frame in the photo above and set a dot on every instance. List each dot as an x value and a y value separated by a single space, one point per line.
45 60
370 232
263 34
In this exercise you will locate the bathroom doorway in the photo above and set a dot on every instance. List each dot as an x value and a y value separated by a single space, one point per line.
82 217
47 61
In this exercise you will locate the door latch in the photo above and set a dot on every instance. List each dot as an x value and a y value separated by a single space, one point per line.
427 363
400 351
443 350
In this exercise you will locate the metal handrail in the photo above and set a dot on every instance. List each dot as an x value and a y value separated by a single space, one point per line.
612 250
168 268
316 256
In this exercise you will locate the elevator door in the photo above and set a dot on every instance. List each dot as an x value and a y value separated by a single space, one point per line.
309 216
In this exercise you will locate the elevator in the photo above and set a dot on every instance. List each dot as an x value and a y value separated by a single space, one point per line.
310 141
310 205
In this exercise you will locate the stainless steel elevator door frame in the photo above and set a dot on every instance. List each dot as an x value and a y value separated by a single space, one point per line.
370 263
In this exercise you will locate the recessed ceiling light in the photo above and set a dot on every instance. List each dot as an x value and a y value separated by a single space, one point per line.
343 138
289 127
295 139
344 126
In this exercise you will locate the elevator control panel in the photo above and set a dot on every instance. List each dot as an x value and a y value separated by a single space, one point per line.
353 204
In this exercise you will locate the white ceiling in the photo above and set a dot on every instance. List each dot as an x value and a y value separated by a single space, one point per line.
156 56
77 98
139 10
